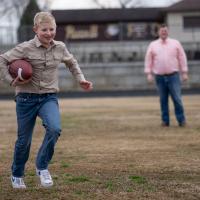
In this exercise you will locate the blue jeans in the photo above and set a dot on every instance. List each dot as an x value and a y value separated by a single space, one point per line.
28 107
170 85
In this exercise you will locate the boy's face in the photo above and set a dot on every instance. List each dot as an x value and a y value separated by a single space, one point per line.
45 32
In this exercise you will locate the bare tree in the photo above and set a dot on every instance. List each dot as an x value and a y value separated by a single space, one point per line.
16 7
121 3
12 7
129 3
99 4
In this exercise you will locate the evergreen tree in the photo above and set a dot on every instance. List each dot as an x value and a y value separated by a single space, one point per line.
25 30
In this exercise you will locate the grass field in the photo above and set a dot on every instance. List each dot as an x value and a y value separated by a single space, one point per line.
110 148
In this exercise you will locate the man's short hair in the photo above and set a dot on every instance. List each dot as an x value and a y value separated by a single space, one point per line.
162 26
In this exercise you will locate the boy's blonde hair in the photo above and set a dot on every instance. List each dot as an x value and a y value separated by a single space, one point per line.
43 17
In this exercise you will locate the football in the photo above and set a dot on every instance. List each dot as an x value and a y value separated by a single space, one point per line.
20 68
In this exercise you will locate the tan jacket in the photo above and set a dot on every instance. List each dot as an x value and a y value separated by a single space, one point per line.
45 65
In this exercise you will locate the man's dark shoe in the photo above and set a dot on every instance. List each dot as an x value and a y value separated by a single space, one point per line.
164 124
182 124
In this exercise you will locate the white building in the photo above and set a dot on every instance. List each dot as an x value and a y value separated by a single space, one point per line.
183 19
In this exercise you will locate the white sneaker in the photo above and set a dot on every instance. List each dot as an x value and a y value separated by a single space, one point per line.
18 183
45 177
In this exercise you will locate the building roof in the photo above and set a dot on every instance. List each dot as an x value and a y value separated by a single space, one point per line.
108 15
123 15
184 6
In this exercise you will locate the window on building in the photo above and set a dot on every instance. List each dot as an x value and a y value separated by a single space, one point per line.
191 22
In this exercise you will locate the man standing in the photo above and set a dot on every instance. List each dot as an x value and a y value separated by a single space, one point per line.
166 59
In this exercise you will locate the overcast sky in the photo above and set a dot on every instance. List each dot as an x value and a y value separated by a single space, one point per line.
83 4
